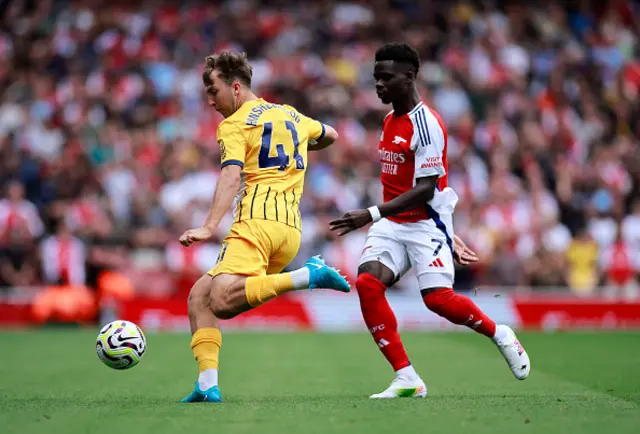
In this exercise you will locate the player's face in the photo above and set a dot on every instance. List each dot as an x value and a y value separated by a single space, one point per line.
392 82
221 96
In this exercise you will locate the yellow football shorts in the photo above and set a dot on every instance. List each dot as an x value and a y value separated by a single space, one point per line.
256 248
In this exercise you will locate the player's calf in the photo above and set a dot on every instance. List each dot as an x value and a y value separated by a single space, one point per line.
380 320
206 341
383 326
232 294
314 274
458 309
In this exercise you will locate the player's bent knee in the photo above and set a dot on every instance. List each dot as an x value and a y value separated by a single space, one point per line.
199 296
367 285
378 271
435 298
227 296
222 310
218 304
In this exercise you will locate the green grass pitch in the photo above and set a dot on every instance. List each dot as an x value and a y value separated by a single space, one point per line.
52 382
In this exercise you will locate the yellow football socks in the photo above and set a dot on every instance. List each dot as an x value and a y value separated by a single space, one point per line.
205 345
260 289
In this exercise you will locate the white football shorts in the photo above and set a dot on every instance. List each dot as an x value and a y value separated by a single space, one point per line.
426 245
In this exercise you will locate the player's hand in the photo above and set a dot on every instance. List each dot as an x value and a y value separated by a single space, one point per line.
194 235
351 221
463 254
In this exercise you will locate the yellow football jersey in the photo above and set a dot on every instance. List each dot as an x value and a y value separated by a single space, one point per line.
269 141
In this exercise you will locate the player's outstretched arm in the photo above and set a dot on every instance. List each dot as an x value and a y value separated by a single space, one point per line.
421 193
330 136
226 190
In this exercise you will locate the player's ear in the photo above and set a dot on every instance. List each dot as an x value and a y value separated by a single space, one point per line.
410 76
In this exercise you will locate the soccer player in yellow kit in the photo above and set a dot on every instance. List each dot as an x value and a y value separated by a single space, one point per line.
268 143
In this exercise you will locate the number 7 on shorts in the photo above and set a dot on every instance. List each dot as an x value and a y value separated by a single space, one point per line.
440 243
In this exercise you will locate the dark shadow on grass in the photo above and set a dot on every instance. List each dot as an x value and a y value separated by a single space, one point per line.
364 399
129 402
80 401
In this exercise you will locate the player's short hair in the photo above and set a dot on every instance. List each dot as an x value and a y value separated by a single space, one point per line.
231 66
399 52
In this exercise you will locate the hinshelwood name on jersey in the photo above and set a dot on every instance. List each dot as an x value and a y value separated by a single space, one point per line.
254 115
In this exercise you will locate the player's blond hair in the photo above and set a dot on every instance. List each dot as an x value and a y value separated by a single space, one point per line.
230 67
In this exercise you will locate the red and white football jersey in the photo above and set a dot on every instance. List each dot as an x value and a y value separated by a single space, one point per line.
63 259
414 146
14 214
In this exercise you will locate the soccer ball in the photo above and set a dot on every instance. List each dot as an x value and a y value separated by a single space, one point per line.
121 344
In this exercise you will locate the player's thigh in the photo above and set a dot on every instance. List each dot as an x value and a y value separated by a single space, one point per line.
286 241
431 257
245 251
381 246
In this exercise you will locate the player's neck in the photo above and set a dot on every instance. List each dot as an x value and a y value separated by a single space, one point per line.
246 97
406 105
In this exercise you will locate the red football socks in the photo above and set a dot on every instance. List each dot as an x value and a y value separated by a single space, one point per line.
380 320
459 309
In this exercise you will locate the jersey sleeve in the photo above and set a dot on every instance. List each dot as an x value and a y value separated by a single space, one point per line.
315 128
232 145
428 144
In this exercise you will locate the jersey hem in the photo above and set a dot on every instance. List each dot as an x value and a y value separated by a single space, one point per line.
408 219
299 229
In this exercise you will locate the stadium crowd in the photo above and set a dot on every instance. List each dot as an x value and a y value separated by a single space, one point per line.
108 150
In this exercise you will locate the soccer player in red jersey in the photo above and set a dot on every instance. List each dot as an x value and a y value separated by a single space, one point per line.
413 227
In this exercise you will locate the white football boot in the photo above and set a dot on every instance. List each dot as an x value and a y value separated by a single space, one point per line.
512 351
403 387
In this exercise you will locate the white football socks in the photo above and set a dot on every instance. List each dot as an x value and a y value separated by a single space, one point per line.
407 372
207 379
300 278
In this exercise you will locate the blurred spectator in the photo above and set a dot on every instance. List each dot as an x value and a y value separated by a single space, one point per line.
621 267
19 264
582 263
63 257
18 215
103 126
546 269
631 229
191 263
